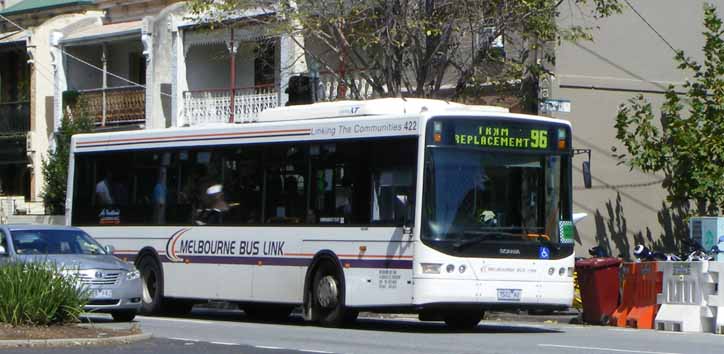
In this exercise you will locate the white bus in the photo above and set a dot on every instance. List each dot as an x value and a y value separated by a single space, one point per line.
419 206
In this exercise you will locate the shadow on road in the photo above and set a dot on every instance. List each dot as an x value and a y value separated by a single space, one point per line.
406 326
403 325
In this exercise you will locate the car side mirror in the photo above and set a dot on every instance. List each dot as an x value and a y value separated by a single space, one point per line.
586 174
109 249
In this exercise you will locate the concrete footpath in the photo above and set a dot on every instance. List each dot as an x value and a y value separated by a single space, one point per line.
72 342
87 321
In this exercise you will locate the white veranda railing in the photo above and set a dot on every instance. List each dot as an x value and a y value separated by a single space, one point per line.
214 105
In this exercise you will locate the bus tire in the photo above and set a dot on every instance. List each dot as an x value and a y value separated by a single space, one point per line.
152 284
462 321
327 296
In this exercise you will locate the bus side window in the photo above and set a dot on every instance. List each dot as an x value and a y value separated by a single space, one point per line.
286 184
242 185
393 175
387 185
339 183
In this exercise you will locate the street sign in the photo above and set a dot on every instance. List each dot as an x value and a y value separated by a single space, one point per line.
550 105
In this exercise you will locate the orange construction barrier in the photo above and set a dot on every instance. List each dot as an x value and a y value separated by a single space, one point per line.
628 298
649 282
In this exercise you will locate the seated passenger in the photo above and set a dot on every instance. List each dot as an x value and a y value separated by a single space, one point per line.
214 206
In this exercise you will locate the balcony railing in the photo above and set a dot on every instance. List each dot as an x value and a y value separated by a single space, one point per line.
14 117
331 88
124 105
214 105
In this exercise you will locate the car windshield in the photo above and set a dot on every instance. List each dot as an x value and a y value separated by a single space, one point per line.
476 195
54 242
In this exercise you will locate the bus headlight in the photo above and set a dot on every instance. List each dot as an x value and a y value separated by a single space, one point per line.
133 275
450 268
570 272
431 268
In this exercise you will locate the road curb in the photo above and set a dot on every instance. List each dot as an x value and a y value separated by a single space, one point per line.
73 342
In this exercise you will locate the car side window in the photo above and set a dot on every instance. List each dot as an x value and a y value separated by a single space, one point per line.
3 243
29 243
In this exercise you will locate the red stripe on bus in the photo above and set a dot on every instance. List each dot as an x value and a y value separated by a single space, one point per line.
126 252
194 136
351 256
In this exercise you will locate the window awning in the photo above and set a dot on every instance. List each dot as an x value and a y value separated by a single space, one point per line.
16 37
27 6
104 33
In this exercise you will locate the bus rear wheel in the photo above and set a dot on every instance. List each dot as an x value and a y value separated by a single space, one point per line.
327 298
462 321
152 283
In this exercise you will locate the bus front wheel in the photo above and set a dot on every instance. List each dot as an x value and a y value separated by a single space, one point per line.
327 298
152 285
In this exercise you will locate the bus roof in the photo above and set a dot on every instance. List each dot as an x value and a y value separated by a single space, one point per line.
298 117
376 107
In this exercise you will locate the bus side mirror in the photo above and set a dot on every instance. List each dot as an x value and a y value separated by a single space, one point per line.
586 174
109 249
578 217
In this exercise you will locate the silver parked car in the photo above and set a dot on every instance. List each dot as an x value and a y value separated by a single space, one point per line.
114 285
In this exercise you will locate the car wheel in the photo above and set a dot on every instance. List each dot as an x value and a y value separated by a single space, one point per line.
327 298
152 283
123 316
462 321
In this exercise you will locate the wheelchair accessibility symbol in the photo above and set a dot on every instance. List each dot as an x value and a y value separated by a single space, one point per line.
544 253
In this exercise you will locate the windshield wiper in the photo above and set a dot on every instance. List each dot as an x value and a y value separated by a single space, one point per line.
479 236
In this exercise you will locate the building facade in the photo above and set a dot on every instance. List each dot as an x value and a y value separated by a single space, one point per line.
26 91
133 65
626 58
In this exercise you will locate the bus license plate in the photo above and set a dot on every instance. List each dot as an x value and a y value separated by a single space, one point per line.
102 293
509 294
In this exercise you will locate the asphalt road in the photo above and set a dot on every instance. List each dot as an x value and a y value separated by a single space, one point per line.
229 332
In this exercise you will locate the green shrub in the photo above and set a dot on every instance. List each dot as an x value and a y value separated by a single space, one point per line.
38 294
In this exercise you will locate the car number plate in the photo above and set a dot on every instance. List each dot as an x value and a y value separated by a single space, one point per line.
102 293
509 294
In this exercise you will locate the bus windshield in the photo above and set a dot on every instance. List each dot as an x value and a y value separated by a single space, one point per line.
475 198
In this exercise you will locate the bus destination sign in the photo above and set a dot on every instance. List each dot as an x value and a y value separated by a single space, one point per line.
495 134
504 137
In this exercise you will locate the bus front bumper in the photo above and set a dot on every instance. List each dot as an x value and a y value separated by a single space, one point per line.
494 294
